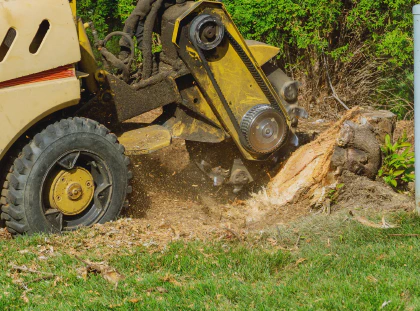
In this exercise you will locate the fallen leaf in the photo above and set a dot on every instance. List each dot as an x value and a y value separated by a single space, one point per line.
161 289
56 280
272 241
170 279
108 273
82 272
165 225
24 297
112 276
299 261
134 300
372 279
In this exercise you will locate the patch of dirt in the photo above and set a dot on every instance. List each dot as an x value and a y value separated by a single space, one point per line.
406 127
173 200
171 193
169 190
361 192
4 235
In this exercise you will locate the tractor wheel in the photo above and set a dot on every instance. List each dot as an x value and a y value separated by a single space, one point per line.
72 174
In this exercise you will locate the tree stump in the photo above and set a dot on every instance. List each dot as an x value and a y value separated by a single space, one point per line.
351 144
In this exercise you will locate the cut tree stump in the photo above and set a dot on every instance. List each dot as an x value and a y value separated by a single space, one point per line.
352 144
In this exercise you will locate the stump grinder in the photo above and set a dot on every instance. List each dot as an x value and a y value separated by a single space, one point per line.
63 168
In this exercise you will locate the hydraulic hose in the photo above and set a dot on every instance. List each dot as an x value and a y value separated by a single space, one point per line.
148 38
114 61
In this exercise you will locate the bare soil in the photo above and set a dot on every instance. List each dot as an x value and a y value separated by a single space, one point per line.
171 193
361 192
173 200
407 128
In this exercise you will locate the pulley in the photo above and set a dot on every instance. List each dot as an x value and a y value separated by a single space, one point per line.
265 129
290 91
207 32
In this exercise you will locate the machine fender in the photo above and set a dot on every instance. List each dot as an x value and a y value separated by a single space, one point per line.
33 102
262 52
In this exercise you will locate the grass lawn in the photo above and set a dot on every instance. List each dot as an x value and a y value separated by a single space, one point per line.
329 264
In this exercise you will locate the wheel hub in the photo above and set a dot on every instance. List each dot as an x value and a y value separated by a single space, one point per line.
72 191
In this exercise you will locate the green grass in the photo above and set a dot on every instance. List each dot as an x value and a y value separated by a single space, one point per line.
346 266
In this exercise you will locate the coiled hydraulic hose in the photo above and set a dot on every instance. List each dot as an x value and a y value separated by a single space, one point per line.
148 39
113 60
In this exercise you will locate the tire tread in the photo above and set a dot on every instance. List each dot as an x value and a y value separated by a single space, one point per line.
12 210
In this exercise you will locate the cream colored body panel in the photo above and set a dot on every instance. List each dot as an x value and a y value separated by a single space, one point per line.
23 106
60 46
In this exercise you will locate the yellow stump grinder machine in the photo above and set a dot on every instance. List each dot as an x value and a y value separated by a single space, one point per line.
62 168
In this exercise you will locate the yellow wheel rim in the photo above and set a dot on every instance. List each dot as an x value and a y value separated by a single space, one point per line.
72 191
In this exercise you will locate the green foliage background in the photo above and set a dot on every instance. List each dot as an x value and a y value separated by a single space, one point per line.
365 45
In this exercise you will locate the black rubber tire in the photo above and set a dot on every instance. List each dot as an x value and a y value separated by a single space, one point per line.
22 209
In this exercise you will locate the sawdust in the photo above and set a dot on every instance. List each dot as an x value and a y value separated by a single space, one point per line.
173 200
4 235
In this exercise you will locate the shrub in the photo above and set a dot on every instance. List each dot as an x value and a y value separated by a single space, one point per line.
365 45
398 162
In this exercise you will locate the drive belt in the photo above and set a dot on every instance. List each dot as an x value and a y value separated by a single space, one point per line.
255 74
222 97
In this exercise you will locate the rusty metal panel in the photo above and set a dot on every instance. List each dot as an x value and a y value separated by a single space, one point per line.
130 103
